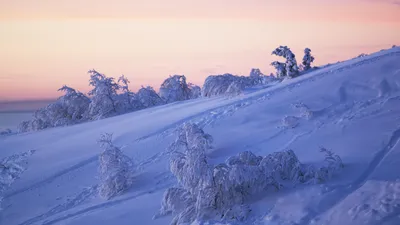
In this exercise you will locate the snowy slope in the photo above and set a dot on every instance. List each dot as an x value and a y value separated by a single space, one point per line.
352 108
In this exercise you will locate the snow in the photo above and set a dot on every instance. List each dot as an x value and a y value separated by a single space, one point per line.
351 108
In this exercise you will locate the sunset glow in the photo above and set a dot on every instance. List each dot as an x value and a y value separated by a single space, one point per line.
45 44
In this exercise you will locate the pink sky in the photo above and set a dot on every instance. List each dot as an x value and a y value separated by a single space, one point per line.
45 44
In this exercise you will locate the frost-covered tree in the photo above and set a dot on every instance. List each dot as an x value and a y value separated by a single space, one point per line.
307 59
148 97
175 89
255 73
127 101
190 167
258 78
195 91
116 170
280 68
103 95
291 68
75 104
70 108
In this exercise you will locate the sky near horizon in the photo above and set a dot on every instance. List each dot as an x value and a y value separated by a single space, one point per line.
45 44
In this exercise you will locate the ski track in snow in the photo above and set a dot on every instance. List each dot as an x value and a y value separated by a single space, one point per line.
86 194
53 177
90 209
330 202
206 118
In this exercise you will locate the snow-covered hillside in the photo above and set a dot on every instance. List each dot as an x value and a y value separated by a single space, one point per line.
351 108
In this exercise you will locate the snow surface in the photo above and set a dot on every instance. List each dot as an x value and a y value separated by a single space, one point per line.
351 108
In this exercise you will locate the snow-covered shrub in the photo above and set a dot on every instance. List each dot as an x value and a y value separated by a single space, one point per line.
219 84
282 166
175 89
175 200
103 95
6 132
189 162
24 126
195 91
75 104
305 111
280 68
255 73
148 97
11 169
258 78
290 121
189 136
291 69
229 84
220 192
268 79
333 164
235 88
71 108
362 55
190 167
127 101
307 59
394 46
115 169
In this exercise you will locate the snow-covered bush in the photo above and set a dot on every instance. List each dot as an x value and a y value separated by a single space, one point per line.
229 84
290 121
307 59
148 97
362 55
115 169
6 132
220 192
319 174
11 169
71 108
195 91
258 78
175 200
127 101
175 89
219 84
75 104
280 68
282 166
305 111
291 69
268 79
255 73
235 88
24 126
103 95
